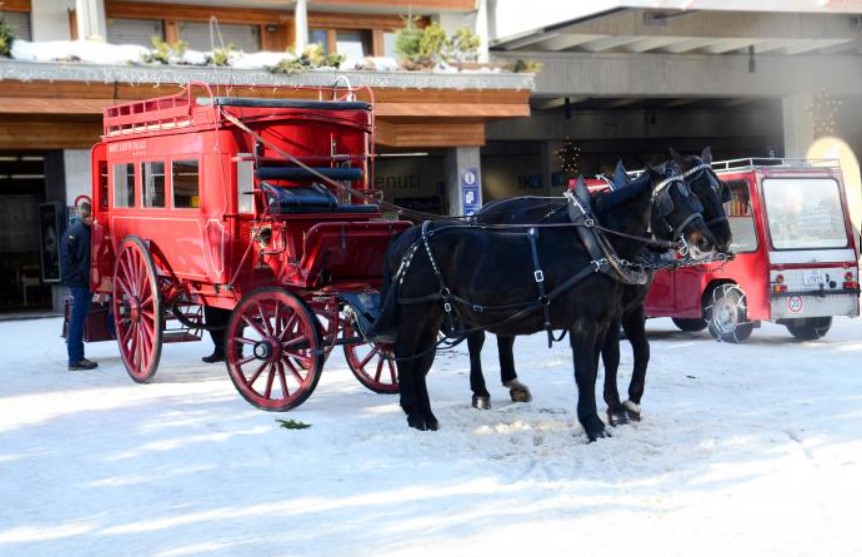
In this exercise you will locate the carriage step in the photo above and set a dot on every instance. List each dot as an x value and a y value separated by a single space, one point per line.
179 336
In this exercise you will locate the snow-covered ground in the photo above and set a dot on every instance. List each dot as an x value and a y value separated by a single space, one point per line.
744 450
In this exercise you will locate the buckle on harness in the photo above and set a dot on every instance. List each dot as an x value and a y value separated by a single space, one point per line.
539 276
448 307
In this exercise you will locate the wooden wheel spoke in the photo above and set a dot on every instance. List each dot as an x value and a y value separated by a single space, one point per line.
246 360
379 371
370 355
290 326
282 379
293 371
264 319
251 323
250 380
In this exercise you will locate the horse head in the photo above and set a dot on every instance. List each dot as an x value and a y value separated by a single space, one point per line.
676 213
712 192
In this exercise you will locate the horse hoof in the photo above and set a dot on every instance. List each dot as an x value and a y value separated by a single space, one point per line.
518 391
482 402
633 410
618 417
601 434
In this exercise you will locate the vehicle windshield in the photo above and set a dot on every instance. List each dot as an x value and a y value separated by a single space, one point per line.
804 213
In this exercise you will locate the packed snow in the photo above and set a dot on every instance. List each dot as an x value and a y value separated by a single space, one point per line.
752 449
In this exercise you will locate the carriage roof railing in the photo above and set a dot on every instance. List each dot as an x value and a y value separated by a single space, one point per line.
770 162
178 110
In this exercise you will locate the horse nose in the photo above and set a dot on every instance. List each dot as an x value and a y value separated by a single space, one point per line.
705 243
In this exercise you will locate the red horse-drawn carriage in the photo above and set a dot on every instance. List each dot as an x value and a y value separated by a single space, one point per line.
264 207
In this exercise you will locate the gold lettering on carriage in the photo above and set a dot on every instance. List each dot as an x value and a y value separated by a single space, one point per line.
136 145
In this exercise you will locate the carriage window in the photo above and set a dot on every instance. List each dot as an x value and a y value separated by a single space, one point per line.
103 185
153 183
244 184
124 185
739 215
186 180
804 213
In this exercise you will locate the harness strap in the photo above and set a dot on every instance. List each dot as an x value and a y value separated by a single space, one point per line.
533 234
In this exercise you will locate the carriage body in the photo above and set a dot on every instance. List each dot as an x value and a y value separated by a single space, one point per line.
201 200
796 258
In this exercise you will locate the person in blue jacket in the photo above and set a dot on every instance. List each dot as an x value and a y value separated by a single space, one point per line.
75 270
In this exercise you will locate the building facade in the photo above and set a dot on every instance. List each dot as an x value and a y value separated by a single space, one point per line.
618 79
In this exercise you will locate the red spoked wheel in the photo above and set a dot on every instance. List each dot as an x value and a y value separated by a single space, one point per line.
274 349
137 306
371 363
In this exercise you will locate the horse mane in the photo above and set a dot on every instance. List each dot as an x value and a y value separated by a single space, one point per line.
627 193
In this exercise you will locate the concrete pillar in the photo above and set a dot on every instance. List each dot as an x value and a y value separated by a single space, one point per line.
481 29
798 125
301 22
463 171
91 19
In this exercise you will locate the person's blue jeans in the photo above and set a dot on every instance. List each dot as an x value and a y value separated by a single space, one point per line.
81 298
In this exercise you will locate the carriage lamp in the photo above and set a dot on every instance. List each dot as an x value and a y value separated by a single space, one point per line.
850 281
263 236
778 284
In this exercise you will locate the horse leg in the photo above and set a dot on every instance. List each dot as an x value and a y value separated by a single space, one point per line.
481 396
634 323
583 339
414 354
518 392
423 366
611 358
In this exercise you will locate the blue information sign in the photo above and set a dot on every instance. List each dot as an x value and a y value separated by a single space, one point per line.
470 197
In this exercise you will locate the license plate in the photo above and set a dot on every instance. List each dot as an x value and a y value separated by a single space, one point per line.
813 277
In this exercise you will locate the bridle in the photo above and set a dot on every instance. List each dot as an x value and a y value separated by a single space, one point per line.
714 184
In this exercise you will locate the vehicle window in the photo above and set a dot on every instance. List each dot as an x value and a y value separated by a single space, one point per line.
245 184
153 183
804 213
124 185
186 181
740 217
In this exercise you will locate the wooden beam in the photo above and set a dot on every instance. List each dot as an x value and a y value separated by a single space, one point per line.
451 110
416 6
185 12
16 6
430 134
18 133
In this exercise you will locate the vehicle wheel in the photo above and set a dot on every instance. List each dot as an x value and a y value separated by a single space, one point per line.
811 328
727 316
371 363
137 307
274 349
689 325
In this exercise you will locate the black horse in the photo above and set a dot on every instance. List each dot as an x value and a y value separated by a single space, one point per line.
710 191
516 282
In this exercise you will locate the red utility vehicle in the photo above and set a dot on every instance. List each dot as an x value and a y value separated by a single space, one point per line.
796 258
259 206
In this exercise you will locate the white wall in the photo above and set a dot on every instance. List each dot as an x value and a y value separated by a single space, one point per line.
50 20
77 164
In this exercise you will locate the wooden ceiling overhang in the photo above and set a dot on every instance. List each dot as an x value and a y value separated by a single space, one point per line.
41 109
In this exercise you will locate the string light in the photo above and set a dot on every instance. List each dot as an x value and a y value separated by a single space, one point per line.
568 155
823 110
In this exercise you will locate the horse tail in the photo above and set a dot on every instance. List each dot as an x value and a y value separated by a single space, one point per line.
384 330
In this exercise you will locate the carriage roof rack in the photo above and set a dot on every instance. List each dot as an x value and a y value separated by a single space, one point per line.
762 162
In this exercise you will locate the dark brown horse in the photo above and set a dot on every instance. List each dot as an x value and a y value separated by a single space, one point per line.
522 281
711 192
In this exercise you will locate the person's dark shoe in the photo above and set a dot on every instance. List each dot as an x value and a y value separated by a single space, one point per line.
83 364
213 358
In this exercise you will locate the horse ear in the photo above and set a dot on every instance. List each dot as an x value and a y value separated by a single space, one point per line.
706 155
679 159
621 178
581 192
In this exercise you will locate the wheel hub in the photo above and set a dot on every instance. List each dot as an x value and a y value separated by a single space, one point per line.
134 309
267 349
